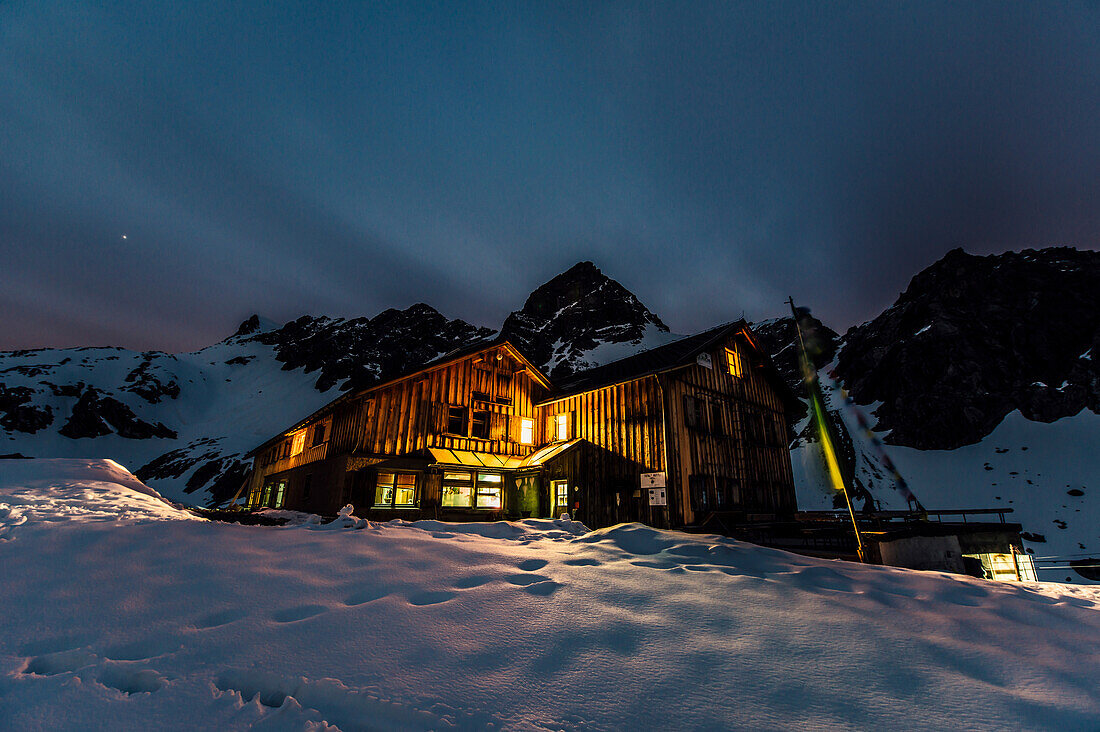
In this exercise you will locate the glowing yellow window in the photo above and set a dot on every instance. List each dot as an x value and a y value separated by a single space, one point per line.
527 431
299 443
395 489
561 427
490 490
733 363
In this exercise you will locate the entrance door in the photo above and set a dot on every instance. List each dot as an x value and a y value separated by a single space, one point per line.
559 498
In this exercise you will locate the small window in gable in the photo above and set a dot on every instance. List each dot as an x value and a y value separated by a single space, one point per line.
733 363
526 431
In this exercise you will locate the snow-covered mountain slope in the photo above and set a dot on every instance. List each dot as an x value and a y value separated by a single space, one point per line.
145 622
580 319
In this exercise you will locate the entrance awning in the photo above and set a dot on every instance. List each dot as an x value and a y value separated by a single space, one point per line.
480 460
550 451
468 459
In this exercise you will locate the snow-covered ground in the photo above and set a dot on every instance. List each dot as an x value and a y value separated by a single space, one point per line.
1044 472
121 611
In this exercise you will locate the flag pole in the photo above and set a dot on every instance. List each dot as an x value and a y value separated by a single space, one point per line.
817 408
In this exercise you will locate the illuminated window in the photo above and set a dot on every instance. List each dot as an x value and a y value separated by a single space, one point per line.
458 489
272 495
254 497
560 489
298 443
561 427
527 431
490 490
733 363
395 490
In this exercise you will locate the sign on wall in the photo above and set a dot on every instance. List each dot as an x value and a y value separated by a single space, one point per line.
653 480
657 497
704 360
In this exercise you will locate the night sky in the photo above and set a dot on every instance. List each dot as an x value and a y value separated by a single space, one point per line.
166 170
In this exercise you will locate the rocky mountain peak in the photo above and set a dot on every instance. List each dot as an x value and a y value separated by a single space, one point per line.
249 326
360 351
973 338
568 317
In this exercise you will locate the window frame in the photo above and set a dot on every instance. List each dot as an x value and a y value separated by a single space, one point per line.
468 484
699 493
734 365
556 487
526 431
560 426
481 416
461 413
394 487
496 487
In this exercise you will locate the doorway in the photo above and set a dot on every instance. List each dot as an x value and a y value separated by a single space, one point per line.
559 498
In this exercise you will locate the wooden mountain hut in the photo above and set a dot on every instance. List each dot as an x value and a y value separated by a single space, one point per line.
670 437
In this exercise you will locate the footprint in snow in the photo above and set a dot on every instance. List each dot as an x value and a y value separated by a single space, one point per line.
525 579
583 562
543 589
477 580
530 565
293 614
823 578
61 662
131 680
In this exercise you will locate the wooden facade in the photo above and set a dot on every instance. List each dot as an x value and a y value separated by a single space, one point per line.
482 435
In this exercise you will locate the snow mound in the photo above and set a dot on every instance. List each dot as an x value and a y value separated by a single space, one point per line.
529 625
63 490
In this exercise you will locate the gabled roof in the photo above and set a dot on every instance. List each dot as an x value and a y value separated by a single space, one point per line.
470 349
678 354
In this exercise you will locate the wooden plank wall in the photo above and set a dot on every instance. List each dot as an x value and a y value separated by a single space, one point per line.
411 415
624 419
753 455
622 424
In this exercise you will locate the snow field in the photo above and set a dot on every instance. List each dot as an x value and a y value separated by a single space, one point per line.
152 619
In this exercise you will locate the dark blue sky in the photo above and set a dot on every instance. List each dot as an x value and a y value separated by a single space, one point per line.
714 158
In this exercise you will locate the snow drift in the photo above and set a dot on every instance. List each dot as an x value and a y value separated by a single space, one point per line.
156 620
